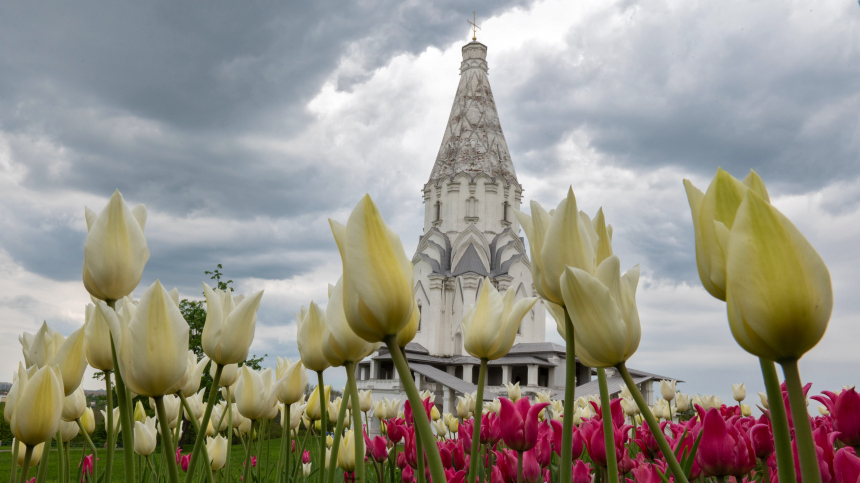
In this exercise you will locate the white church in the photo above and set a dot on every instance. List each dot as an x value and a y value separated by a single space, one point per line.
470 232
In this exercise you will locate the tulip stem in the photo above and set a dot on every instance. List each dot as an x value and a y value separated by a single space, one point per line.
167 439
357 427
111 442
14 473
61 464
323 421
608 427
229 407
286 450
802 430
418 414
201 436
338 431
25 468
43 463
89 442
196 426
420 472
765 470
653 425
779 422
566 459
125 415
476 427
248 452
519 467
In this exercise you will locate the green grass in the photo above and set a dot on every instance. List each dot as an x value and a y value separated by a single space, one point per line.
237 458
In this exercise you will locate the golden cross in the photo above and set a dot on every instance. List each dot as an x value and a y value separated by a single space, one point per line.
475 27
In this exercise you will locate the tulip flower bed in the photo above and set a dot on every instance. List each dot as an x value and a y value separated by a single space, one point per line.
778 298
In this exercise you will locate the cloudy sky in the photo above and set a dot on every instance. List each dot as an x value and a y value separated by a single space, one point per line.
243 127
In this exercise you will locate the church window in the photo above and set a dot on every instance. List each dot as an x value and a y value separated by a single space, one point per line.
419 317
505 210
438 210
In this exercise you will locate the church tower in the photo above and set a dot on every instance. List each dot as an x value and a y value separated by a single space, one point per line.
470 231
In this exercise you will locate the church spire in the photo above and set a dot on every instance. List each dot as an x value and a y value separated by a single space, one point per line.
473 142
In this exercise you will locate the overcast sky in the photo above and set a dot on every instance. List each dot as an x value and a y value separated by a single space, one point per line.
244 126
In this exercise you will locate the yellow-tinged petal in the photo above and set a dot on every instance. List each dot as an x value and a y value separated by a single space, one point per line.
779 290
291 387
567 244
38 405
408 332
97 332
343 344
71 357
604 242
237 333
310 339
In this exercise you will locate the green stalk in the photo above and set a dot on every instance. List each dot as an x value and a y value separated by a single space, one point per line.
61 464
167 440
338 431
25 468
229 435
476 428
198 442
608 427
519 467
357 428
111 434
14 472
196 426
765 470
802 430
81 464
125 412
566 460
268 445
68 461
653 425
323 418
286 442
420 473
779 422
248 452
422 424
89 442
43 463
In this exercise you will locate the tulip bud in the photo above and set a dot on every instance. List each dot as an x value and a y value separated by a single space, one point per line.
311 337
71 358
365 400
514 393
313 409
144 435
230 324
297 411
329 441
97 333
68 430
116 421
408 332
603 310
339 343
629 407
377 274
115 250
490 327
667 390
190 382
463 405
74 405
195 404
739 392
346 453
39 348
139 413
306 468
255 393
229 374
217 449
683 402
779 296
291 386
441 428
35 458
434 413
154 347
38 405
427 394
88 421
746 410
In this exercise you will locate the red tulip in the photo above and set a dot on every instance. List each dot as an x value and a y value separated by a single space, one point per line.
407 475
178 455
377 448
400 460
458 455
762 440
396 430
724 450
845 411
646 473
846 465
581 472
455 476
496 475
531 467
543 448
445 455
577 446
825 441
822 465
491 430
519 423
186 461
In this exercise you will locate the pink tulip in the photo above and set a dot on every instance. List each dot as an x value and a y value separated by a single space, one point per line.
543 448
823 467
178 455
445 455
306 457
293 446
519 423
397 430
846 466
87 466
186 461
377 448
581 472
577 446
724 450
348 477
491 429
531 467
646 473
464 435
458 455
496 475
407 410
845 411
407 475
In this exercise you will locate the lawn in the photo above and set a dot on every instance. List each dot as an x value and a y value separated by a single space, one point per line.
269 447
